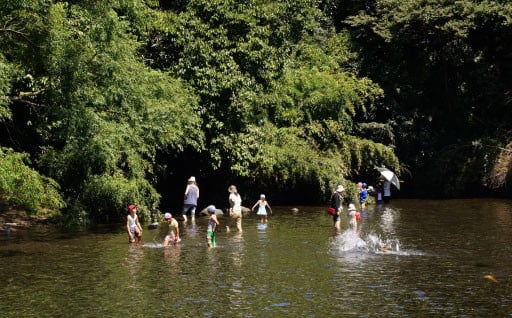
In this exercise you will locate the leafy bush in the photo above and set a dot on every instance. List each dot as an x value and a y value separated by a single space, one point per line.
23 187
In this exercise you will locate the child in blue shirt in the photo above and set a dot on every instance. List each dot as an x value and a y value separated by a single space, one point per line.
363 195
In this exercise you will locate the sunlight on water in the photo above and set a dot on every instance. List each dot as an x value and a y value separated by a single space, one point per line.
294 266
350 242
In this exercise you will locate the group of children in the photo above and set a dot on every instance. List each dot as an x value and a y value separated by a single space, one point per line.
211 228
173 237
134 228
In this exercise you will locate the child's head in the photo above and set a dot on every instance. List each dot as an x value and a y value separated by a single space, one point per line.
262 197
167 216
211 209
191 180
351 207
132 208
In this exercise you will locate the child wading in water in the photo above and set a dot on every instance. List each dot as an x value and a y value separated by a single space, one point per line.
132 224
262 211
173 236
353 217
212 226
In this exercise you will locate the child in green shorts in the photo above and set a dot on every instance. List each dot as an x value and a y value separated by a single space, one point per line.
212 226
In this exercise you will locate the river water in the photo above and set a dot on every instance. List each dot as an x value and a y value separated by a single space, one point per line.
409 258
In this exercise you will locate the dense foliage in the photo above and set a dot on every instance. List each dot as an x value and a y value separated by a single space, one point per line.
102 100
445 67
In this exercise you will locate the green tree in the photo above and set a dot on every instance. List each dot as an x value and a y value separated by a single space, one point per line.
99 112
445 70
275 84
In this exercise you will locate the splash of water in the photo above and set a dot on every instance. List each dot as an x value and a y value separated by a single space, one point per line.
350 241
376 244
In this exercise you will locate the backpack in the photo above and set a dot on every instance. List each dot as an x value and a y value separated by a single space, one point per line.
331 211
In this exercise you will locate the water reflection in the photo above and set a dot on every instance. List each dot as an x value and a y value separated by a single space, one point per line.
191 229
132 262
387 220
408 258
172 258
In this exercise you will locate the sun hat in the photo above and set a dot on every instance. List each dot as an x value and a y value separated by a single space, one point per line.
351 207
167 216
262 196
340 188
211 209
131 207
192 179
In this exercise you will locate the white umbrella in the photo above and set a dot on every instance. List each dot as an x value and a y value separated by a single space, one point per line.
390 176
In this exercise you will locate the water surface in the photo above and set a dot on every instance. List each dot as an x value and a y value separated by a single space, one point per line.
409 258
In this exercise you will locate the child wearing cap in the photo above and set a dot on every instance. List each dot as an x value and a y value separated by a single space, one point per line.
173 235
212 226
363 195
262 209
132 224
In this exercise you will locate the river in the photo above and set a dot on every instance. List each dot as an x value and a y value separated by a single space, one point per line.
416 258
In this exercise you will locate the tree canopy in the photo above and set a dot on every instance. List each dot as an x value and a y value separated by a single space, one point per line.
445 67
102 100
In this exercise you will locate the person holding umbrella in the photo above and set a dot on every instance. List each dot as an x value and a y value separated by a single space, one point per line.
386 189
389 178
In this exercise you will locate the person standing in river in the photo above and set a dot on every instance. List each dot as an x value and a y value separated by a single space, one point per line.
212 225
235 209
191 197
132 225
173 234
363 195
386 187
352 217
336 204
262 209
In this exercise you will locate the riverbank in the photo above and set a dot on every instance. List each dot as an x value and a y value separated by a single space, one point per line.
20 219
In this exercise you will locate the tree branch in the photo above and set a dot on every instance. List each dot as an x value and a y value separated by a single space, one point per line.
22 98
6 28
14 31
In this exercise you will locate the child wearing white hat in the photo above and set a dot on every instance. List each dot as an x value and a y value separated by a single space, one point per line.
262 208
352 216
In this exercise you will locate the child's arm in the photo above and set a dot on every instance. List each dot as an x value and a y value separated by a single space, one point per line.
217 223
255 204
128 225
139 226
269 208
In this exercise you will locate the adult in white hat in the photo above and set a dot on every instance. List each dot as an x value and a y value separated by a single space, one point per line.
191 197
336 204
